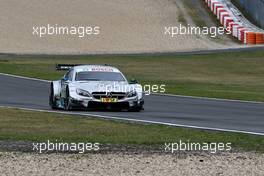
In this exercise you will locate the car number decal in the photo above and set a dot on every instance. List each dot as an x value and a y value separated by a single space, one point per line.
109 100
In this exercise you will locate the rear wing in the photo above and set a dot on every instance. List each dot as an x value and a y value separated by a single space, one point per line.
69 66
65 66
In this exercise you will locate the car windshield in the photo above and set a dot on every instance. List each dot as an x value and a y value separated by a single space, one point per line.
99 76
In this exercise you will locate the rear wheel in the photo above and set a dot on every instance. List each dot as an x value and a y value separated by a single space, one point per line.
52 101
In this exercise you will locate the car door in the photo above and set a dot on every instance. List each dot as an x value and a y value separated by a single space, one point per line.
65 81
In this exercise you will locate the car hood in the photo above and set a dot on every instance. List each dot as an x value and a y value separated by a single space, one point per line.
103 86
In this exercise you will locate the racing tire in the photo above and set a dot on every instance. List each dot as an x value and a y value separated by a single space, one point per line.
136 109
52 101
67 101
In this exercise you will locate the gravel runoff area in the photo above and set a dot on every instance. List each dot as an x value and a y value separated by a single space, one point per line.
16 163
130 26
17 158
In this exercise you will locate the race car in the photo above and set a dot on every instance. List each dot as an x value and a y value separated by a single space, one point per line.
95 87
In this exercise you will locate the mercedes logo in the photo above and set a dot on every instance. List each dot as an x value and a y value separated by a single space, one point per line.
109 94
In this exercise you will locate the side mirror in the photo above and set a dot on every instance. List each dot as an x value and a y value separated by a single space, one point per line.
133 81
64 79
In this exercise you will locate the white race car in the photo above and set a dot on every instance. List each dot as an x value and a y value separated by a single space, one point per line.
95 87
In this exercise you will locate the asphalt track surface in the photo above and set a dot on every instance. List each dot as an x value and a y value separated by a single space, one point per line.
223 115
199 52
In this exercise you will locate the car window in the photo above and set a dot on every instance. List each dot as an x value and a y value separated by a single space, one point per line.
69 75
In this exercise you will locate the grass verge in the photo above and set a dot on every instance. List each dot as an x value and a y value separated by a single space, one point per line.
237 75
40 127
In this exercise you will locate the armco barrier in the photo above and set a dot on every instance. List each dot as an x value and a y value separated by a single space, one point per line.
218 6
220 10
240 29
213 3
250 37
241 35
259 38
229 18
235 29
223 16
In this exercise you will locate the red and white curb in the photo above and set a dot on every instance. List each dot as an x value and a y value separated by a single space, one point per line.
233 20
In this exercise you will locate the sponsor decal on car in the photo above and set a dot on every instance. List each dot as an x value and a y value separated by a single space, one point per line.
102 69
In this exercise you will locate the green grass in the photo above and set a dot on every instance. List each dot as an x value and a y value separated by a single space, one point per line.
236 75
181 19
194 13
40 127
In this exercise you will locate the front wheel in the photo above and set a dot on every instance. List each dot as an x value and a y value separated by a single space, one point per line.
136 109
67 101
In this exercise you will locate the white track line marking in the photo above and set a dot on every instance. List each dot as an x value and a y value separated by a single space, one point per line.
158 94
207 98
23 77
137 120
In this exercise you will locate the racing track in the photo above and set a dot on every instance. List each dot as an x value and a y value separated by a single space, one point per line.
223 115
